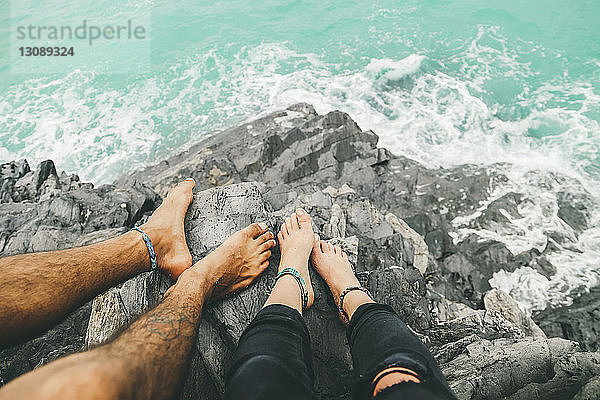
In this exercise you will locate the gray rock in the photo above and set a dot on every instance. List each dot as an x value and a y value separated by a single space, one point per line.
295 152
421 251
65 338
391 215
520 369
572 373
498 300
574 209
579 321
590 391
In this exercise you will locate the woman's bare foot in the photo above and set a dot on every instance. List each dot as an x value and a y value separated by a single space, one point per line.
238 261
335 268
165 228
296 239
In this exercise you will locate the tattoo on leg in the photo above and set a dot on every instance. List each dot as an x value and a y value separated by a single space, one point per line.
170 324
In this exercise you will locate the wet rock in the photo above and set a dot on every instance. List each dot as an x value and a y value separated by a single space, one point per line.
499 212
574 209
533 258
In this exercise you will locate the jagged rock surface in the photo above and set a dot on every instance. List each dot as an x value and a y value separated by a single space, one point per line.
391 214
295 151
499 301
579 321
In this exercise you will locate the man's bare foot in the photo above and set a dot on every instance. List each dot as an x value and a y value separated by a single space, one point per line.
335 268
238 261
165 228
296 239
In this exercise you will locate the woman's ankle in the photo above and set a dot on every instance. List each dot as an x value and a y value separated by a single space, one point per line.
353 300
337 288
298 263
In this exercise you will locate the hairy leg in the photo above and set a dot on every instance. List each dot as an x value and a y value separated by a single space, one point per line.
39 289
296 240
148 361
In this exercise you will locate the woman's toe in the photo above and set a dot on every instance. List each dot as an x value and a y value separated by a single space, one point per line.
288 225
294 221
303 218
321 246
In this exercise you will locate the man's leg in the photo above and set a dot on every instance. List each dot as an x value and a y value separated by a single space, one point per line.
390 362
274 359
148 361
39 289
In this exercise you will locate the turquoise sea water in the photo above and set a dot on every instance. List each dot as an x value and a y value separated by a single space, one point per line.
444 82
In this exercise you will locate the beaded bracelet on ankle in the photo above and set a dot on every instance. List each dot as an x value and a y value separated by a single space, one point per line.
294 272
150 247
343 313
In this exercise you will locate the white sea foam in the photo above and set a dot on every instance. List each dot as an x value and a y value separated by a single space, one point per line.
575 258
435 117
395 70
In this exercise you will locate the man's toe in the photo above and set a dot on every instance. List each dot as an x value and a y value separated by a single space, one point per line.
182 193
266 245
256 229
264 237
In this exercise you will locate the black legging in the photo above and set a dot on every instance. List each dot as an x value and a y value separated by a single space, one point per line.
274 360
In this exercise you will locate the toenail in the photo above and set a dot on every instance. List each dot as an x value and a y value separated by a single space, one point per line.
300 211
190 179
262 225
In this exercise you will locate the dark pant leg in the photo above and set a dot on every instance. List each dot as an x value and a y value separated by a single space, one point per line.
379 340
273 359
